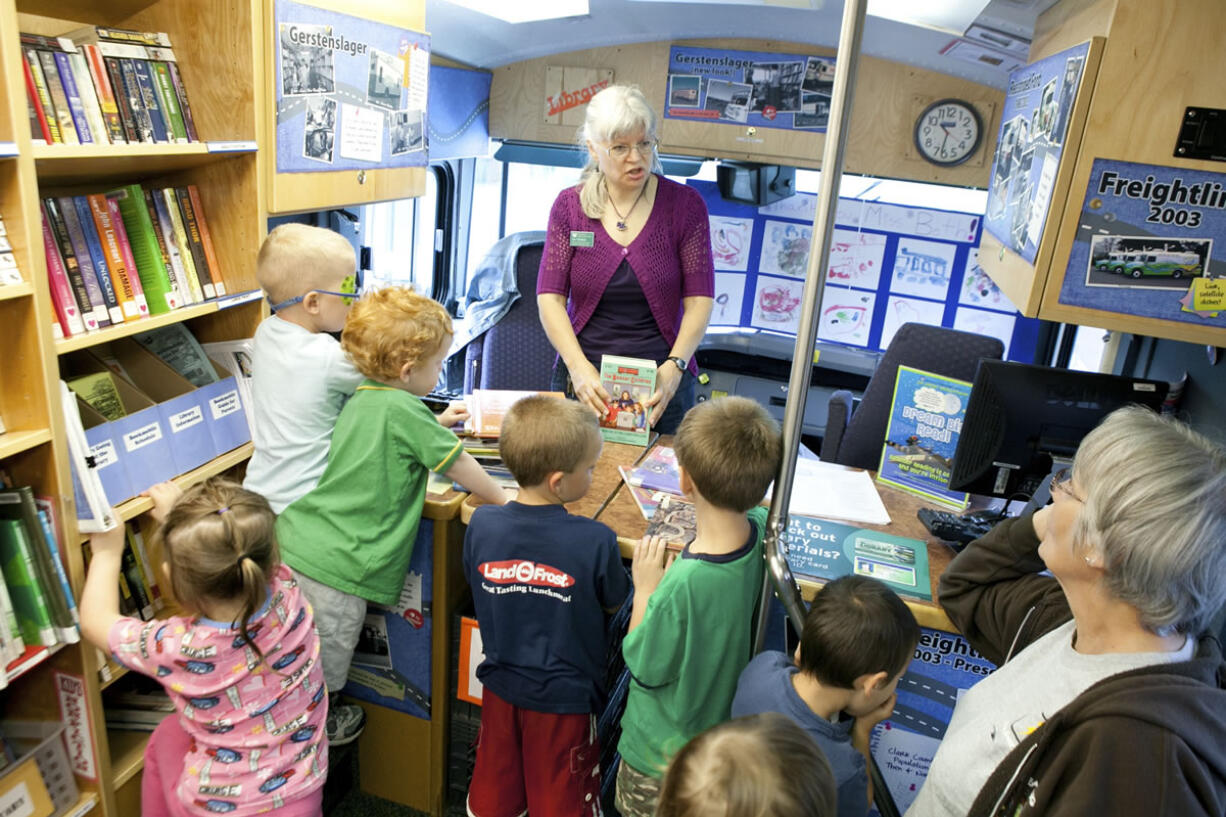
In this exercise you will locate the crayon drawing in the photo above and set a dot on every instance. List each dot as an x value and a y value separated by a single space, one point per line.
785 249
730 242
908 310
856 259
777 304
847 316
923 268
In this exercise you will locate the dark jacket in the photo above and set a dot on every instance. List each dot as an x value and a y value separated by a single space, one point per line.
1147 742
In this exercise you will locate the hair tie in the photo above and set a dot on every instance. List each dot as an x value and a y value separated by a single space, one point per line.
222 510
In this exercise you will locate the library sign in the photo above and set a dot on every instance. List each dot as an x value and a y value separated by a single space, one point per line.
350 93
1150 242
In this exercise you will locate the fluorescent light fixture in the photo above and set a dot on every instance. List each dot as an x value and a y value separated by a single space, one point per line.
954 16
812 5
525 11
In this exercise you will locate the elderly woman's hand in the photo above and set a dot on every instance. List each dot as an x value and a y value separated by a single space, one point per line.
589 391
668 378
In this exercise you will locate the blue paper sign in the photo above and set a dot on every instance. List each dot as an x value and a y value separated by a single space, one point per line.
922 435
752 88
350 93
1033 127
1146 243
828 550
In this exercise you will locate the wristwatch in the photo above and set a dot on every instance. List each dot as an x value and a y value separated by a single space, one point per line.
681 362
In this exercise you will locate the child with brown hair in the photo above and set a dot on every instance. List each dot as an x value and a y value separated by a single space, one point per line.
349 541
542 580
242 666
690 629
757 766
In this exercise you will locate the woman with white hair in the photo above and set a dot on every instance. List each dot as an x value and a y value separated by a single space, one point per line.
1111 695
627 264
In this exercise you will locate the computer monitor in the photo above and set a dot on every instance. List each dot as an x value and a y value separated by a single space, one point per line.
1020 416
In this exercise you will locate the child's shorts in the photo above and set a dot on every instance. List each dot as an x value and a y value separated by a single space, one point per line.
538 762
637 793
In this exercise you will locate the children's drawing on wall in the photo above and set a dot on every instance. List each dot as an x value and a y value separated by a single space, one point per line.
385 81
729 295
923 268
777 304
908 310
847 316
980 290
992 324
785 248
856 258
730 242
305 69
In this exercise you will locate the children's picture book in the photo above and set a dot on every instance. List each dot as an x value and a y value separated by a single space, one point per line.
100 392
487 407
828 550
630 382
646 499
657 471
922 435
674 521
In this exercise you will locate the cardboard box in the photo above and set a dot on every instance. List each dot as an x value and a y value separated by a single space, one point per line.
224 410
22 790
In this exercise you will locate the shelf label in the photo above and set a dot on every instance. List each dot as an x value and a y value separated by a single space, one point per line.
8 149
237 146
225 404
241 298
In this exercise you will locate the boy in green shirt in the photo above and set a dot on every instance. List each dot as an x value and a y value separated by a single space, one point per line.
350 539
690 628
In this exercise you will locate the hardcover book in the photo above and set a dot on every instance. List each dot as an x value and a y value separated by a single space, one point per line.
170 205
922 435
131 300
163 233
125 253
96 281
72 94
106 93
44 114
66 310
89 97
112 295
206 239
169 100
147 255
487 407
86 293
18 504
630 382
149 97
658 471
191 227
29 603
63 114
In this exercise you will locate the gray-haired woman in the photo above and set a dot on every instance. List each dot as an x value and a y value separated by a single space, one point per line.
1111 696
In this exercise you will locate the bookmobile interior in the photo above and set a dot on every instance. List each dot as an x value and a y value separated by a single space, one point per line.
1013 237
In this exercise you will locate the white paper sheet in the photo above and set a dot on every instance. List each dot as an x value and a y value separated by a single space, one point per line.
832 491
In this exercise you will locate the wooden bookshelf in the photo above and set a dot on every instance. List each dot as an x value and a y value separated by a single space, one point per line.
224 78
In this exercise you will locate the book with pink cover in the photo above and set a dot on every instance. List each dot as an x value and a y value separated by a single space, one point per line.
487 407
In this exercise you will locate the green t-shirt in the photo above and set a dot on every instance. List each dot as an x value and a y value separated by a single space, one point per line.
355 530
688 651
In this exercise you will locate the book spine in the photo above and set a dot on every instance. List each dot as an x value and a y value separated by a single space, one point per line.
149 96
66 308
131 572
124 35
41 42
142 238
106 94
57 562
63 114
127 602
89 273
136 99
114 258
94 246
20 502
35 67
33 616
206 239
192 229
12 629
125 251
137 542
162 232
89 98
171 208
123 100
91 309
38 115
73 95
181 91
169 101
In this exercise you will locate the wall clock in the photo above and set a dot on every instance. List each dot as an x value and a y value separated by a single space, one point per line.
948 132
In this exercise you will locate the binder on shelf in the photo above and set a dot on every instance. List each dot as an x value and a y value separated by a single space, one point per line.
94 512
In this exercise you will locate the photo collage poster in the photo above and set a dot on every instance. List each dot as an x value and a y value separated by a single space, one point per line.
1033 125
889 265
351 93
1146 241
752 88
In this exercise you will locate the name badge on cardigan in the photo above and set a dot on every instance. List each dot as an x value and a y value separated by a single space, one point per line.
582 238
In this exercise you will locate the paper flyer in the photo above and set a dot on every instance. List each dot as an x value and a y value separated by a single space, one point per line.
922 435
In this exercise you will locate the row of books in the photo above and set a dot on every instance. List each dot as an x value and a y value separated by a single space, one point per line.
105 86
140 596
140 705
9 274
127 253
36 600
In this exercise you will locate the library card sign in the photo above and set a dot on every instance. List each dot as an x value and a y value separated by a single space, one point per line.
1150 242
759 89
350 93
828 550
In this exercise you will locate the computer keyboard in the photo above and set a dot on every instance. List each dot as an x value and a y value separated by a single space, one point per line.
952 528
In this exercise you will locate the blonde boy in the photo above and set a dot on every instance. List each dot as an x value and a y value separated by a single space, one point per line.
689 635
349 540
300 376
542 581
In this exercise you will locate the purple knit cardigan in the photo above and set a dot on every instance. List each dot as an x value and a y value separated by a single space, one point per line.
671 257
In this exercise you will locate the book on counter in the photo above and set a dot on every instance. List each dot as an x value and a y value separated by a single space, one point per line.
630 382
657 471
487 407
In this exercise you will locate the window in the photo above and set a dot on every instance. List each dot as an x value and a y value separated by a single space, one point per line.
914 194
485 223
400 235
531 190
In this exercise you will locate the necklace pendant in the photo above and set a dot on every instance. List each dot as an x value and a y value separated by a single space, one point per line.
621 225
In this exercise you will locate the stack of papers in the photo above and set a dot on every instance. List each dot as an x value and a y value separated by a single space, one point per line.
833 491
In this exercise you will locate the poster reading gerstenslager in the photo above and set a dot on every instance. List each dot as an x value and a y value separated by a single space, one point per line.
407 132
306 66
386 80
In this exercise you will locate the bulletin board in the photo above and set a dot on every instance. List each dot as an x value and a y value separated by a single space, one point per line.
889 265
350 93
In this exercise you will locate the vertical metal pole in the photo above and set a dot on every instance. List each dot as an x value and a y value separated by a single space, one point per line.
777 572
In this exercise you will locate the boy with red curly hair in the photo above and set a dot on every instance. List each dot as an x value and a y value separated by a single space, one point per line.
350 539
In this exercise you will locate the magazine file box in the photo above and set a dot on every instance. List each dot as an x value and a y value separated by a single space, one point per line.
140 437
223 408
178 402
104 447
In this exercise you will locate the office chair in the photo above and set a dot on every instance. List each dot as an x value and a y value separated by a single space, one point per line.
514 353
856 438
